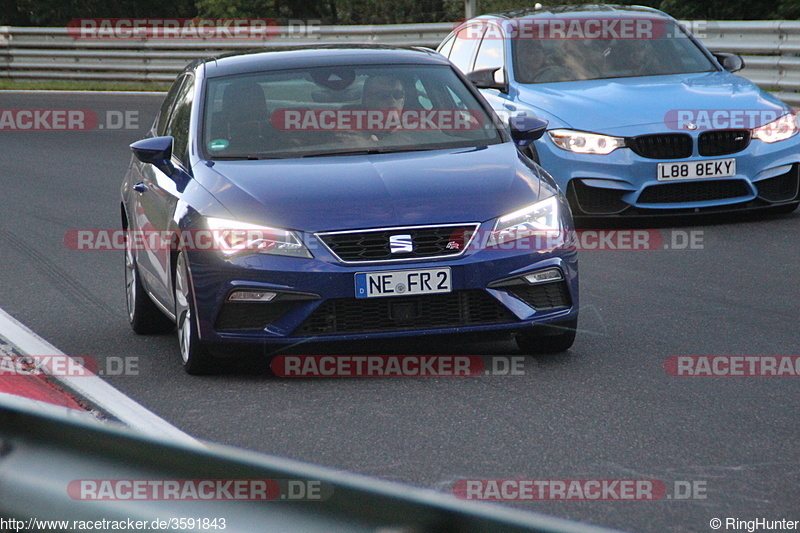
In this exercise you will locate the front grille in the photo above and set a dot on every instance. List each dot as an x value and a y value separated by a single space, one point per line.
543 296
662 145
780 188
240 316
373 245
695 191
722 142
371 315
596 200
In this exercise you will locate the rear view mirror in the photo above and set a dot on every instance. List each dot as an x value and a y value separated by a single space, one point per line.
730 62
489 78
156 151
525 130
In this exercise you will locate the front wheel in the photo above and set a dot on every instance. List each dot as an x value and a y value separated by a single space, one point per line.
548 339
194 354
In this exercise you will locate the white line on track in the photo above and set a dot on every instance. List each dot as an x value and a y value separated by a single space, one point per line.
94 389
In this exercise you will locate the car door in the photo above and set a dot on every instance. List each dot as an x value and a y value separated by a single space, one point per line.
139 198
158 195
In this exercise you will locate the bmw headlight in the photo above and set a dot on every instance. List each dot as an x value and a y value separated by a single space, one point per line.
539 219
233 236
582 142
777 130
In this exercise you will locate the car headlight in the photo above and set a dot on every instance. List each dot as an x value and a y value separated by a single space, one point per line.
777 130
233 236
585 143
539 219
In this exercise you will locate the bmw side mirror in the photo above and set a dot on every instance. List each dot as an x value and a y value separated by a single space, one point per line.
730 62
525 130
156 151
489 78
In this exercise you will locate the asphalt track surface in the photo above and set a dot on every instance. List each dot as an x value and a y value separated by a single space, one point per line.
605 410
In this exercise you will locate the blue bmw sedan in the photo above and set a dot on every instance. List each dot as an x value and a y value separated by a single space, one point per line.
341 193
643 119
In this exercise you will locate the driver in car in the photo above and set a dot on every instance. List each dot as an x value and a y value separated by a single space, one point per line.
383 92
539 64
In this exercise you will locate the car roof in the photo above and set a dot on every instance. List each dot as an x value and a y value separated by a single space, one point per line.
578 11
284 57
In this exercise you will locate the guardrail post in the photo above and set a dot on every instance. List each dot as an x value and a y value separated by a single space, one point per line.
470 8
5 55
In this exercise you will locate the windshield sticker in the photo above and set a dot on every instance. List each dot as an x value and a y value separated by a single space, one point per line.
218 144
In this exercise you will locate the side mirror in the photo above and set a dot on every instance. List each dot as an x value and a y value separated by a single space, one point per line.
730 62
157 151
489 78
525 130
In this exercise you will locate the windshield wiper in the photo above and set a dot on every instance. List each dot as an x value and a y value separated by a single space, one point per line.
358 151
361 151
248 157
370 151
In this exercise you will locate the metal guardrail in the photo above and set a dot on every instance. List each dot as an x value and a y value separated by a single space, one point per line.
771 50
45 459
56 53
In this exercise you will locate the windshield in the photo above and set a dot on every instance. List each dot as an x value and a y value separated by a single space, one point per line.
670 51
342 110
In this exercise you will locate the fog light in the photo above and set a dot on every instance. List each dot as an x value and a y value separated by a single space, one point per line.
251 296
544 276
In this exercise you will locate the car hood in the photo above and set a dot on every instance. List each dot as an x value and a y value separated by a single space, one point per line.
363 191
632 106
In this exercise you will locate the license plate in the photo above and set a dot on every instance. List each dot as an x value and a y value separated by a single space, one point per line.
403 282
717 168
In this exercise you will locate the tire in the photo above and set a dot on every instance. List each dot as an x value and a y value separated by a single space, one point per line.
195 356
143 315
548 339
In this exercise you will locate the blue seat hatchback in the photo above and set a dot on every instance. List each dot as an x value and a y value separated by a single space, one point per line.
341 193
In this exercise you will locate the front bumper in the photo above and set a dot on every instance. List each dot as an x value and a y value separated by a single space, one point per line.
624 184
316 300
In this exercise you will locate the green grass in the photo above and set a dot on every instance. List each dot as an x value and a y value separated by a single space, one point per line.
81 85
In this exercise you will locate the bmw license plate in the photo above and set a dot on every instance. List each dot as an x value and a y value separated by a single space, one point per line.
403 282
716 168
